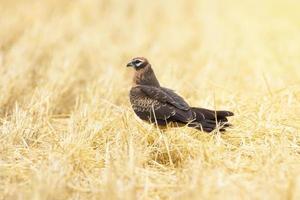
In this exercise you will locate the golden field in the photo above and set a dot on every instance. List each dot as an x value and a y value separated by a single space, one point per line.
67 130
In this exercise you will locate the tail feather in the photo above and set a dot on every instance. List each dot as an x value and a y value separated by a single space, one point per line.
208 120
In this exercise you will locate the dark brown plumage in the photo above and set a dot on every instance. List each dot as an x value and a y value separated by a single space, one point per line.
160 105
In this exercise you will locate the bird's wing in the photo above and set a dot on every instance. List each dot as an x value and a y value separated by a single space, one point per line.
177 98
154 104
147 107
165 95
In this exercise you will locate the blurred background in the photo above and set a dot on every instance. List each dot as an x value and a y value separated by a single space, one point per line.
246 43
63 63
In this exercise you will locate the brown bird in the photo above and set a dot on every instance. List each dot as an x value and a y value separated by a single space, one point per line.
161 106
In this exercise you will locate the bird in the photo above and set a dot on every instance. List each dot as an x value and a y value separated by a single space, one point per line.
162 106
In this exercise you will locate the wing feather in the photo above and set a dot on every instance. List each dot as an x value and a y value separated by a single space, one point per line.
166 96
151 103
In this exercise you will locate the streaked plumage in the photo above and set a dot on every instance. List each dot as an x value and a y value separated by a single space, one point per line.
160 105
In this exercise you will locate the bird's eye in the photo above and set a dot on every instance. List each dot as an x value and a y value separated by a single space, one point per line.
137 61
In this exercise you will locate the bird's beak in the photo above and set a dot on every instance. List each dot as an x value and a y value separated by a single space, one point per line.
130 64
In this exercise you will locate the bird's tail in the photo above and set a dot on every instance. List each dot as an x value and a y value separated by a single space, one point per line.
209 120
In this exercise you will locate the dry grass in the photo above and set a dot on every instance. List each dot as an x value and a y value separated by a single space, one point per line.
66 127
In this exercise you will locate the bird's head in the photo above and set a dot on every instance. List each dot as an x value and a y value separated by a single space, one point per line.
138 63
143 75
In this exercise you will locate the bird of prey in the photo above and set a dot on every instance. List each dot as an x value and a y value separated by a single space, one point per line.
162 106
